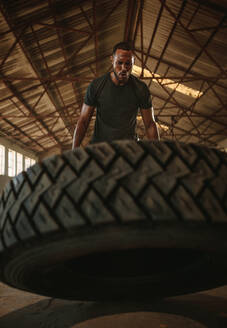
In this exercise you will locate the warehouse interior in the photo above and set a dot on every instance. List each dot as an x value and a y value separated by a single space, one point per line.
50 50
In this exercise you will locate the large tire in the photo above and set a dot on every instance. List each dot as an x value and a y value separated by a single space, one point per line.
119 221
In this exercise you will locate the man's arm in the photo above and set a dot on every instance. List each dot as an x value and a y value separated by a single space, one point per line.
82 125
149 123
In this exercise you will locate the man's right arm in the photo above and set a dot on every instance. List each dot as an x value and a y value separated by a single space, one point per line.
82 125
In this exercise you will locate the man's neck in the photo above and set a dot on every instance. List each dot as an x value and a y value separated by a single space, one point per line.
115 79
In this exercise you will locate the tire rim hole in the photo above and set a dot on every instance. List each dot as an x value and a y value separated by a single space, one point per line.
136 262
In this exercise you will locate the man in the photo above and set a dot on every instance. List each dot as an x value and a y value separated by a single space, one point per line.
117 96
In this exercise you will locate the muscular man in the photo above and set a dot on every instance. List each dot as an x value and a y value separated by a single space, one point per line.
117 97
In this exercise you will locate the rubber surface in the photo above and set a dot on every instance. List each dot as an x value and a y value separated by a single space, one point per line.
124 220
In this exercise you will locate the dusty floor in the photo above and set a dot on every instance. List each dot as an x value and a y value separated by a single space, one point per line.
206 309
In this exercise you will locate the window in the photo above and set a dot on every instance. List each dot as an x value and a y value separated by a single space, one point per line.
27 163
2 160
14 163
19 163
11 163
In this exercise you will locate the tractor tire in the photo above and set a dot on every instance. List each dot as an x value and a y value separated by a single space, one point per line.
117 221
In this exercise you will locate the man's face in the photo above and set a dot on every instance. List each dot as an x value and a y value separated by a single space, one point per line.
122 61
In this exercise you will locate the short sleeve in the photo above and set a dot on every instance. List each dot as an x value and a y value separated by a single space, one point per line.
145 98
90 97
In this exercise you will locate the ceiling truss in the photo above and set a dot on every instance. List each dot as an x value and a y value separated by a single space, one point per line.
57 50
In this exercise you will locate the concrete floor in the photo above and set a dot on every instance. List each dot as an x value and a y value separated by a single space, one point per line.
201 310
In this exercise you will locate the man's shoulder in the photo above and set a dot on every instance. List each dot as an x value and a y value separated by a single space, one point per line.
99 80
138 83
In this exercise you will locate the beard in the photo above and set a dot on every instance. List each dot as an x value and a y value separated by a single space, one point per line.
124 77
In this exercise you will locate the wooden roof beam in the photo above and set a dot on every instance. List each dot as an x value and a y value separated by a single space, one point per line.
8 20
46 90
177 18
212 119
21 92
17 39
16 139
188 133
193 37
197 57
196 115
153 35
181 107
51 6
61 28
29 108
185 109
13 89
192 73
133 16
215 6
52 78
174 100
219 133
17 128
94 4
86 17
91 35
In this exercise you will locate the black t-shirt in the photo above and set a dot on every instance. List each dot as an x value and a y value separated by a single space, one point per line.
116 107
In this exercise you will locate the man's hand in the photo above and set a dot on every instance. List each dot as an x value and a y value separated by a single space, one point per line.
82 125
151 128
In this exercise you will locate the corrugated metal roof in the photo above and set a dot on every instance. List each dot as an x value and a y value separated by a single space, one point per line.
51 50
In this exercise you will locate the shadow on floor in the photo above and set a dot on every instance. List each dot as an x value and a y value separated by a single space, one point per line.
210 311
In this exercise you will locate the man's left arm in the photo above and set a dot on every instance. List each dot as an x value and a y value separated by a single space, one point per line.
151 128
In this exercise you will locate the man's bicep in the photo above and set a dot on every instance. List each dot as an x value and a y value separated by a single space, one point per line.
87 111
147 115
